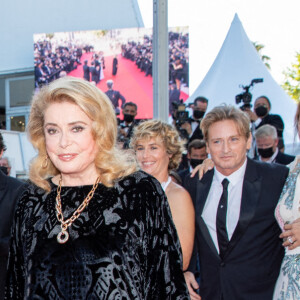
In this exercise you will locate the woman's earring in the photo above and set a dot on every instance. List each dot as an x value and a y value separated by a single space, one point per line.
45 162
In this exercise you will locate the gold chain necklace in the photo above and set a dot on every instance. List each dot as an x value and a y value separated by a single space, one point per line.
63 236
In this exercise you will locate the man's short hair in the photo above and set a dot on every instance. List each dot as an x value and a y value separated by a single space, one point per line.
196 144
130 104
200 99
223 113
109 83
266 131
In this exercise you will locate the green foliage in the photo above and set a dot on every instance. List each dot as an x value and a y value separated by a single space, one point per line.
101 33
292 79
266 59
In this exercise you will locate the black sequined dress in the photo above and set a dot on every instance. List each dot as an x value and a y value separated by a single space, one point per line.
123 246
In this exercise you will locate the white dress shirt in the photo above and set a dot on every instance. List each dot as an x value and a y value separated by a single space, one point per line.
235 187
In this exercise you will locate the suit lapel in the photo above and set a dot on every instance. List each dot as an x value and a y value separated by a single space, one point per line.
250 197
203 188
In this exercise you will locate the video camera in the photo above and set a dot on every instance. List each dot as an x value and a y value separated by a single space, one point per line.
181 115
246 97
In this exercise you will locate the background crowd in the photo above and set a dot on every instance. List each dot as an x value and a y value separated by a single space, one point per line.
116 197
50 61
141 54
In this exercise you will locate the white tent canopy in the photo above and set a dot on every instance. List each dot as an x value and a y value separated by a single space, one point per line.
236 64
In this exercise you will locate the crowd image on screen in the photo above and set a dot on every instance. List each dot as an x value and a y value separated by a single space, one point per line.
142 54
50 61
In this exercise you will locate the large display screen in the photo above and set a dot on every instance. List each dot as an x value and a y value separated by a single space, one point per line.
118 60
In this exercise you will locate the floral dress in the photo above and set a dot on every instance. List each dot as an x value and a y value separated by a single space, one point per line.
287 211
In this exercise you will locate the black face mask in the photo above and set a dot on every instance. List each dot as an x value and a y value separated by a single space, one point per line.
4 170
265 153
128 118
261 111
198 114
195 162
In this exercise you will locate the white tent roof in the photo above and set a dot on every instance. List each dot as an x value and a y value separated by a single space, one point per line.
236 64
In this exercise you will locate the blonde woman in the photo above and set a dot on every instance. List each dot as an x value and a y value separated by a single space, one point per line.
89 226
158 151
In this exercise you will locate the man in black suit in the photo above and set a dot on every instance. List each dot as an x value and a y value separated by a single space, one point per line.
266 142
10 190
174 97
237 236
261 116
86 71
94 74
114 96
193 128
115 66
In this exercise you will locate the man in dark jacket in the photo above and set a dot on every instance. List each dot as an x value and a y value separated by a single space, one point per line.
10 190
266 143
261 116
114 96
237 236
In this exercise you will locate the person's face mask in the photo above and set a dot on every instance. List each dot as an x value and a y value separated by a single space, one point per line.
4 170
266 152
198 114
128 118
195 162
261 111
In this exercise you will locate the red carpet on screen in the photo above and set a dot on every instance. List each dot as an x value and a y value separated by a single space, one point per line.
129 81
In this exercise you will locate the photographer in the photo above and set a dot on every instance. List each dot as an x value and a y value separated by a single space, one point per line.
126 126
260 116
193 127
189 128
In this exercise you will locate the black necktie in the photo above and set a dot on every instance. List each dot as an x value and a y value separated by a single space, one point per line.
221 219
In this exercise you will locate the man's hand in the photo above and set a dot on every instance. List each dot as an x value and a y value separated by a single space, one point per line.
291 235
192 285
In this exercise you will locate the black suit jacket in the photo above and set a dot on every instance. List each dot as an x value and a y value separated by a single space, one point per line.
10 190
86 73
252 261
274 120
183 174
284 159
197 134
114 97
277 122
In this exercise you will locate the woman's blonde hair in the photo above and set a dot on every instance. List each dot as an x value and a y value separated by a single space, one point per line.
110 162
168 134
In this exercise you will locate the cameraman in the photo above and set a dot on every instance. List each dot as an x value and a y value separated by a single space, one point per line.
126 126
193 127
260 116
